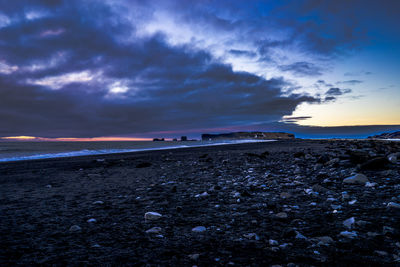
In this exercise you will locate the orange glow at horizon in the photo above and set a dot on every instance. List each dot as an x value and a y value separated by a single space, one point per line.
72 139
22 137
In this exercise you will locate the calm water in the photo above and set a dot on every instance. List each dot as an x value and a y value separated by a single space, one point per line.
14 151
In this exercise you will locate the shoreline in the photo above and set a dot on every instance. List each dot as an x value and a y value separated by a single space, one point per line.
258 204
86 152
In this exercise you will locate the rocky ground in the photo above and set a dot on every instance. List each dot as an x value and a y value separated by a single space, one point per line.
287 203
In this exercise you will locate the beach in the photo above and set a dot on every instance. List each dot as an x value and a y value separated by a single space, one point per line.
288 203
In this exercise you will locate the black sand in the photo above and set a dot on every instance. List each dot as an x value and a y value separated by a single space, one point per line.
252 183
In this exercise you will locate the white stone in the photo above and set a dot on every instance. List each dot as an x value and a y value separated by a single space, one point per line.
204 194
352 202
199 229
152 216
368 184
308 191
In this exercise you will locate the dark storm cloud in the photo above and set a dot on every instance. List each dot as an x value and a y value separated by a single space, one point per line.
359 73
298 118
323 83
334 91
329 98
295 119
302 69
322 29
163 87
242 53
351 82
62 58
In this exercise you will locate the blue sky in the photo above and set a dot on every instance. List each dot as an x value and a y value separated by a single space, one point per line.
165 68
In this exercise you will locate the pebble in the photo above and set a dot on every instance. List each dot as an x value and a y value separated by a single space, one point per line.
300 236
285 195
154 230
75 228
392 158
349 222
348 234
352 202
356 179
91 220
368 184
199 229
381 253
281 215
202 195
152 216
194 256
324 240
98 202
273 242
251 236
393 205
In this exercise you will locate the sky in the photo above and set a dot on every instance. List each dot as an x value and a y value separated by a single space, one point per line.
140 69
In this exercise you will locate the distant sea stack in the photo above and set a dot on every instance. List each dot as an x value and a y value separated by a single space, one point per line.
394 135
247 135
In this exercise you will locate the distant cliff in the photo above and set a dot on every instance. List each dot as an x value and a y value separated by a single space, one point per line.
247 135
394 135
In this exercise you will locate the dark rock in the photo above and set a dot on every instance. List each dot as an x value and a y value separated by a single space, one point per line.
143 165
358 156
319 189
265 154
323 159
299 154
375 164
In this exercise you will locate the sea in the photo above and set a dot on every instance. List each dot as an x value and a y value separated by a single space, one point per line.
31 150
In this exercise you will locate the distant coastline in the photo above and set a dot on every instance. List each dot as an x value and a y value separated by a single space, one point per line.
248 135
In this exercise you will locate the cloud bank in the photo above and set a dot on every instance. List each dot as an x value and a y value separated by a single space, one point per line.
107 68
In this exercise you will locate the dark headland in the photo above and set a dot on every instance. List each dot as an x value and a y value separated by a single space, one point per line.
391 135
289 203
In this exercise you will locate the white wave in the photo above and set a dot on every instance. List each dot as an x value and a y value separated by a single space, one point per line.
86 152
